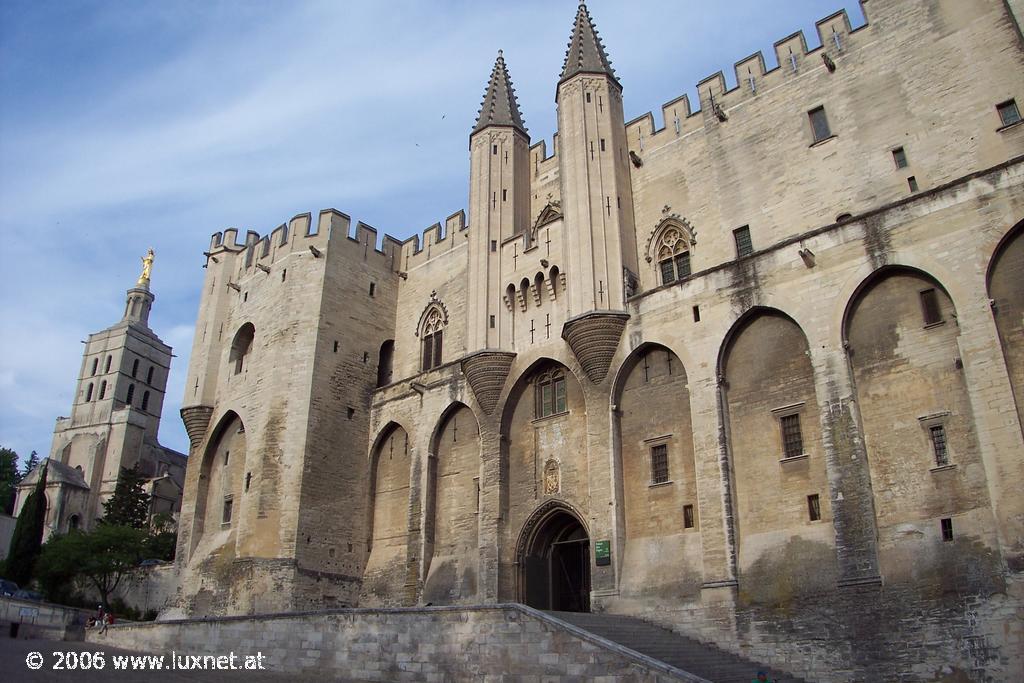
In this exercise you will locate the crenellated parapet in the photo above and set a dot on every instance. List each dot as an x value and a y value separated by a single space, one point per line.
436 240
715 100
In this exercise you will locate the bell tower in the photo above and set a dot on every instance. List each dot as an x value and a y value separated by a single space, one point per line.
499 202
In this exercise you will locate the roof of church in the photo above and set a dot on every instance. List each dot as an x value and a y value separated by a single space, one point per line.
56 473
586 52
499 107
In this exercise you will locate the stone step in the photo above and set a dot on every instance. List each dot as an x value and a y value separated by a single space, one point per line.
706 661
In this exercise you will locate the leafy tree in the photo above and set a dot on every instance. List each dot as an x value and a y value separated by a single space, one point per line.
28 534
101 557
30 464
9 478
163 537
129 506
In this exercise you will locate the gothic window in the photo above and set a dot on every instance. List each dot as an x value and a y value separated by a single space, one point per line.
550 393
385 359
673 256
432 336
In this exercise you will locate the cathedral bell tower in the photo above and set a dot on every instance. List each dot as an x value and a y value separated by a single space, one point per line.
597 199
499 202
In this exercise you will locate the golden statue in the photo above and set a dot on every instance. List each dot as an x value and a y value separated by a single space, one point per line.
147 267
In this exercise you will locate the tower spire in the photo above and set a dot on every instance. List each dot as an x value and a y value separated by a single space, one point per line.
586 52
500 107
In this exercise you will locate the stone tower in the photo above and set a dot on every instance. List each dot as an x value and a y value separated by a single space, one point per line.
114 421
499 204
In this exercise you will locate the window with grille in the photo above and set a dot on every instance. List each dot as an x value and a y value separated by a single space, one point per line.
550 393
819 124
659 463
813 508
226 514
930 307
792 441
688 517
1008 112
946 524
938 436
743 244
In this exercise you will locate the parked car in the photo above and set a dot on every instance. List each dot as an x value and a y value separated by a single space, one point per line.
8 588
28 595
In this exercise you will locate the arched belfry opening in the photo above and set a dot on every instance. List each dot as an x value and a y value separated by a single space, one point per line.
554 561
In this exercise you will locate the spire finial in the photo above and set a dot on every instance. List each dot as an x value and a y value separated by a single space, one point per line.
499 107
586 53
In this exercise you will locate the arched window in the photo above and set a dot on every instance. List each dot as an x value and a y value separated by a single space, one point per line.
135 367
106 366
550 393
145 400
88 392
431 335
103 389
241 345
149 375
131 394
95 365
384 362
72 522
673 256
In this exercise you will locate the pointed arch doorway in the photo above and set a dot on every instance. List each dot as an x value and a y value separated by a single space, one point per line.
554 561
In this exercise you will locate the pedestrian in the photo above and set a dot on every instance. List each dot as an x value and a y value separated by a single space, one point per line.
762 677
108 619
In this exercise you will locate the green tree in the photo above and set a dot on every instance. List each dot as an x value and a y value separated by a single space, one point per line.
30 464
163 537
129 506
100 557
9 478
28 534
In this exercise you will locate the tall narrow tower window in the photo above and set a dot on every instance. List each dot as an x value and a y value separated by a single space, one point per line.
241 346
135 367
145 400
106 366
103 389
88 392
149 375
131 394
95 365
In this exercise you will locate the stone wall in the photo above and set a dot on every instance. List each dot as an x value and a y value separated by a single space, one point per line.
428 644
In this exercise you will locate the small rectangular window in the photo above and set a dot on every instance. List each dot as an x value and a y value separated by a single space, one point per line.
696 314
492 322
687 516
1008 112
938 437
351 412
912 183
227 456
494 245
588 97
659 464
947 528
900 157
373 288
494 149
744 246
226 514
335 346
792 440
504 195
602 144
819 124
930 307
248 480
813 508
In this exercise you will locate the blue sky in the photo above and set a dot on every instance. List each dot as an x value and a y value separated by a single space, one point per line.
126 125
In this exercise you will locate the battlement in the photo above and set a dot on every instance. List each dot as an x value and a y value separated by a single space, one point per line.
793 58
540 161
437 239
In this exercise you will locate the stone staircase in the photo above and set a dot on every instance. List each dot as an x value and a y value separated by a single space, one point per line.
706 661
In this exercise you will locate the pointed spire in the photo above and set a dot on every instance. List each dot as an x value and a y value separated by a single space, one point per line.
500 107
586 52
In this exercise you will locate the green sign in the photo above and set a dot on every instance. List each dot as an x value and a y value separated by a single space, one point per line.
603 553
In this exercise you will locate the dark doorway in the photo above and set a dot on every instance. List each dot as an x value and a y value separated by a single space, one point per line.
556 565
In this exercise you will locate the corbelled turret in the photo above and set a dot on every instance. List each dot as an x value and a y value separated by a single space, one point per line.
499 205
